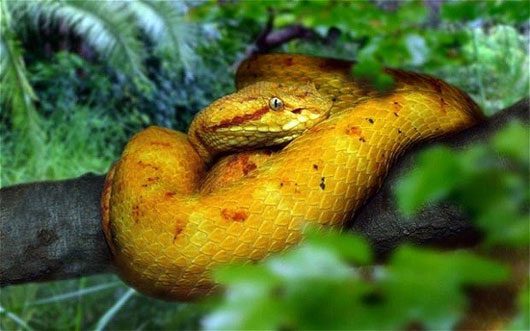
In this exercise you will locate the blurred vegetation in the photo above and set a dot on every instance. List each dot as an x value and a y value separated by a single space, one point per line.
78 78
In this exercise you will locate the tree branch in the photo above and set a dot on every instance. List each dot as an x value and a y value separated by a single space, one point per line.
51 230
268 38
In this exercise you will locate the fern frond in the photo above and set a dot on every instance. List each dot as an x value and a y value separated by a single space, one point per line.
105 25
26 14
16 91
166 26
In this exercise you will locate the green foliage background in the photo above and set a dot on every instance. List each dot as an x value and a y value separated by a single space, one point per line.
66 111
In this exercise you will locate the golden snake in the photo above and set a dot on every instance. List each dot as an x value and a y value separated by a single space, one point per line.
169 220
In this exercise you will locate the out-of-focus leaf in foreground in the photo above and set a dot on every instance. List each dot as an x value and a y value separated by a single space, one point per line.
430 181
325 284
514 143
426 285
488 181
287 290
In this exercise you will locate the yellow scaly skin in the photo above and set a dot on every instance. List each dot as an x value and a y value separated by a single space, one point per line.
169 221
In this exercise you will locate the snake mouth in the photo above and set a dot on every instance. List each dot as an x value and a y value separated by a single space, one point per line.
253 136
266 131
297 110
298 124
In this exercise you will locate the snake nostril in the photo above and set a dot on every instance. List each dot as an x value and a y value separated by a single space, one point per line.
297 110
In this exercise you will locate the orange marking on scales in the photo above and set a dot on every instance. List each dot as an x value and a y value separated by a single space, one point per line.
353 130
203 142
179 227
248 167
241 119
242 162
150 181
136 213
234 215
146 165
397 108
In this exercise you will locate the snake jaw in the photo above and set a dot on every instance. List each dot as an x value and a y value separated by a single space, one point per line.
250 136
294 125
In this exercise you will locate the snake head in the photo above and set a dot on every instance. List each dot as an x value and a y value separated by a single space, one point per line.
260 115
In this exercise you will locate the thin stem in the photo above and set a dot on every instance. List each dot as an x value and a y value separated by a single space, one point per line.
15 318
109 315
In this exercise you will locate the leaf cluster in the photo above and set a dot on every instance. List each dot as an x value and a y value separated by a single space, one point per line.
405 34
327 283
115 30
489 181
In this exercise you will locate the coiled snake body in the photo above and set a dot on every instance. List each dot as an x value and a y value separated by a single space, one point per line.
168 219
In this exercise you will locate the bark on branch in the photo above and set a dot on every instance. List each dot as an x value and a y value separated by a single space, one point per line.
269 39
51 230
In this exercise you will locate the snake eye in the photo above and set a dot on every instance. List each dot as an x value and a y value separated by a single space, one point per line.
275 103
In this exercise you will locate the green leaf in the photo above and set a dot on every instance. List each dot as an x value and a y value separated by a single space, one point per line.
432 179
426 286
505 226
286 289
508 11
513 141
167 28
235 273
372 71
312 287
462 10
105 25
15 89
353 248
309 262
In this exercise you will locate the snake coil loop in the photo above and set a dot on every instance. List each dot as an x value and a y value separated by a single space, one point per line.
169 220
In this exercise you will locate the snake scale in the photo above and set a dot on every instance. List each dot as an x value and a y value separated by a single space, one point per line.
170 214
